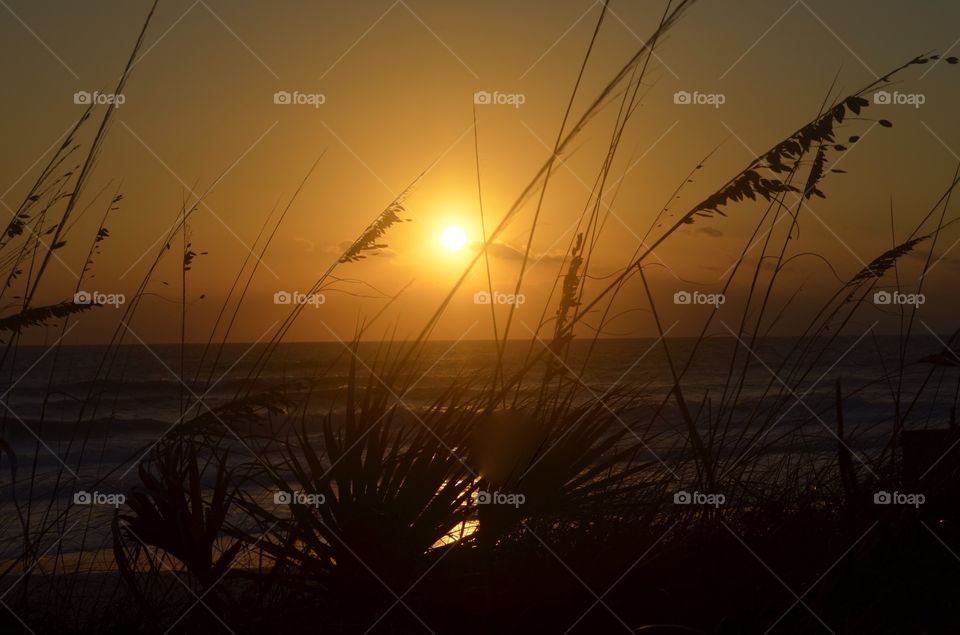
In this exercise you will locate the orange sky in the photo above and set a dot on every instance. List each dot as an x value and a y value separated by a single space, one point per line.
397 81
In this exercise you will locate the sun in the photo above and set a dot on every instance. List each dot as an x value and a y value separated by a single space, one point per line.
453 238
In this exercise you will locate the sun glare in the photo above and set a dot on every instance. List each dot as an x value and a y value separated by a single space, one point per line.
453 238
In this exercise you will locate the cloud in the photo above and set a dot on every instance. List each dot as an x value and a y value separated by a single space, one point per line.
308 245
504 251
709 231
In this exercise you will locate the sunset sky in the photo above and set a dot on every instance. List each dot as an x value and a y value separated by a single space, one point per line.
397 82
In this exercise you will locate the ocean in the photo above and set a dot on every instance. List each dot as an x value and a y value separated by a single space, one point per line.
99 424
147 387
